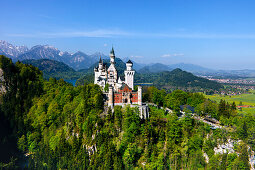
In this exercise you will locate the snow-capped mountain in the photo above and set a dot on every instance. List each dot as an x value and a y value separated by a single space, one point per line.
41 52
78 60
11 50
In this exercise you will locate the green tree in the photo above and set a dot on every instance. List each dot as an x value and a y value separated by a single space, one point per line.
243 160
243 131
22 143
106 88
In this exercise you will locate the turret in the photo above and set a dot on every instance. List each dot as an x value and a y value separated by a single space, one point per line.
129 75
112 56
129 65
100 64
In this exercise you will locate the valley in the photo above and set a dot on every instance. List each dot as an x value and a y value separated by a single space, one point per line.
127 85
58 124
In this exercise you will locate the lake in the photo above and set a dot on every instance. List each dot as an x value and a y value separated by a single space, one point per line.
71 81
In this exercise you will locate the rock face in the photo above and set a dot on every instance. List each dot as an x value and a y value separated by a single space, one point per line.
252 158
2 87
228 147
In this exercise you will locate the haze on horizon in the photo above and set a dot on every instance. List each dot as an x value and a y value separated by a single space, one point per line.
215 34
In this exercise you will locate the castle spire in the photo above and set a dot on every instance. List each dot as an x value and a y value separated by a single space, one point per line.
112 56
112 51
100 61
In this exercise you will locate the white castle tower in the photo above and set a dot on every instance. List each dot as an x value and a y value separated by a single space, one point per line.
129 75
112 72
100 74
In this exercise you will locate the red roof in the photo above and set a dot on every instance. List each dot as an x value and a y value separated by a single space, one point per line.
244 106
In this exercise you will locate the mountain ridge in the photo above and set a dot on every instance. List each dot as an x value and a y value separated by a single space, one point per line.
80 60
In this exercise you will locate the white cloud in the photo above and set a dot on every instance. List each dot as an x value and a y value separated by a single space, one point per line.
132 56
70 34
166 55
105 45
172 55
108 33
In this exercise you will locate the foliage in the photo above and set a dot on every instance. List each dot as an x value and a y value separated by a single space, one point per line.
64 127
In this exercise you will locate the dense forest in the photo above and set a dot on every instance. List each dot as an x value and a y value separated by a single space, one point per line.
59 126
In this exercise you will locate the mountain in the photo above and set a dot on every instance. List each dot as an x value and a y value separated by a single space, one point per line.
158 67
136 66
52 68
80 60
10 50
191 68
177 78
77 61
42 52
154 68
49 66
83 62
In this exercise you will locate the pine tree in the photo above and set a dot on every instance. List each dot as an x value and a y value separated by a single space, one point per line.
243 131
233 106
222 108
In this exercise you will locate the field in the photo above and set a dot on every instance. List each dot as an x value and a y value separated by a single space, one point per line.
247 110
246 99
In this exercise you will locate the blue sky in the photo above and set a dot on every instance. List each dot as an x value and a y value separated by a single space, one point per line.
212 33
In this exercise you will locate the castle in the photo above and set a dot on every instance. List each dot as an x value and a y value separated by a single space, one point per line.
117 91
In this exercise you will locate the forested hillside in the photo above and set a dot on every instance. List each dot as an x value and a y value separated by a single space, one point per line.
176 79
52 68
59 126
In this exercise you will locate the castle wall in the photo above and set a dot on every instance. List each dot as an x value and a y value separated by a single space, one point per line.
110 98
140 95
118 98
